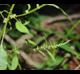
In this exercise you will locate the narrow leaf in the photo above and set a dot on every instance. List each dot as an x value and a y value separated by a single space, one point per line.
31 42
69 49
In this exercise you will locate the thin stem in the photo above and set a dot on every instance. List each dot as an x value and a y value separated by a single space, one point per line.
4 11
8 18
66 15
73 27
1 15
31 11
41 6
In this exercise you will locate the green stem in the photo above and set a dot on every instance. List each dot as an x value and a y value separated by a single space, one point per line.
31 11
8 18
41 6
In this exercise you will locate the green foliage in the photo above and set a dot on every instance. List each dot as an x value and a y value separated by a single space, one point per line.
14 63
21 27
69 49
3 58
50 64
31 42
11 61
65 66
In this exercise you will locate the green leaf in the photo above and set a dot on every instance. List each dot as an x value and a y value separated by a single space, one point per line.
21 27
69 49
51 55
3 59
55 63
65 66
14 63
31 42
50 64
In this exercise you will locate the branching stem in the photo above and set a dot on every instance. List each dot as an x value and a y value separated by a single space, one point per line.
8 18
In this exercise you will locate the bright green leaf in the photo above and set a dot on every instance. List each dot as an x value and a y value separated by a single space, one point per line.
55 63
51 55
14 63
69 49
65 66
21 27
31 42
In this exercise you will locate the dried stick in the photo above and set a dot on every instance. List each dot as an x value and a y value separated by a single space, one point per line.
77 68
28 60
62 18
18 43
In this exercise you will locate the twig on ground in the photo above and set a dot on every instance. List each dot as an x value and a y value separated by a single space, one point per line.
77 68
28 60
18 43
62 18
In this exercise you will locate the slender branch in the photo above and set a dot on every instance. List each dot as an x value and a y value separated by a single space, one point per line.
63 18
8 18
31 11
77 68
10 40
28 60
18 43
41 6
